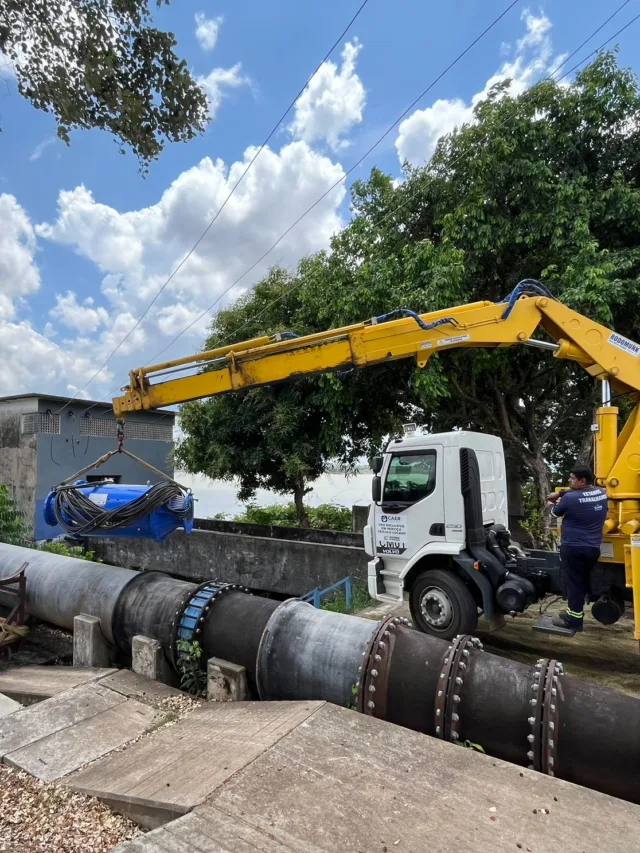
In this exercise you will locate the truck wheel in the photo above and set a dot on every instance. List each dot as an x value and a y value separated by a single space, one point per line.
442 605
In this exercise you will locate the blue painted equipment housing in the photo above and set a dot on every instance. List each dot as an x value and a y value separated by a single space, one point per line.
176 514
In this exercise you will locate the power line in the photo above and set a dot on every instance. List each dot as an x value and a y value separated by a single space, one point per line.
598 49
594 33
457 159
412 196
224 203
343 177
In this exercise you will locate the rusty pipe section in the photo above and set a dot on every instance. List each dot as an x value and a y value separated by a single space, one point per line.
534 716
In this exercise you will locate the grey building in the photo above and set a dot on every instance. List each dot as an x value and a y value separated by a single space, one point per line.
45 439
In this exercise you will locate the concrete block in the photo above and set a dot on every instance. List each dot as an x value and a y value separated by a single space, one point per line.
8 705
147 659
226 682
89 645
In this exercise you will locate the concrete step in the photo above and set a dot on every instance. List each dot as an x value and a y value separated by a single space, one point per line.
30 684
88 714
340 781
8 706
166 775
61 734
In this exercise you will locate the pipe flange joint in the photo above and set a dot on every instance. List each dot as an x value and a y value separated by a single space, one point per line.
373 675
546 693
190 618
450 682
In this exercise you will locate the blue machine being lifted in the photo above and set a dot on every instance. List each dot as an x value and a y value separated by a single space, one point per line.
111 509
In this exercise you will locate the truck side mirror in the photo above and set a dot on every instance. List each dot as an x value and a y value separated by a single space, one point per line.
378 462
376 489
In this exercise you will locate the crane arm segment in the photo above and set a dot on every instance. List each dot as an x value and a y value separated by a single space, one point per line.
261 361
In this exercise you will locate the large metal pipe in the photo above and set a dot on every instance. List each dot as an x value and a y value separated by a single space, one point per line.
532 716
60 588
312 653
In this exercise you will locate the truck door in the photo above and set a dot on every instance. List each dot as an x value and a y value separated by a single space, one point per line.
411 512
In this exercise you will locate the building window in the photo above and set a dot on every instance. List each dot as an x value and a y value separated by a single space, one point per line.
107 428
38 422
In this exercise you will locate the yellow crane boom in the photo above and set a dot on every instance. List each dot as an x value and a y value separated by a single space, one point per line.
604 354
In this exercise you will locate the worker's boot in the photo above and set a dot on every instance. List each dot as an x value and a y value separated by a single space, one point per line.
566 619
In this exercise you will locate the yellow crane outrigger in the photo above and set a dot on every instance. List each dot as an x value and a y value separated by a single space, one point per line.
607 356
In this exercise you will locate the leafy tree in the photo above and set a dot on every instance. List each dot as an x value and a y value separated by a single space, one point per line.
271 438
100 63
544 185
282 437
323 517
13 530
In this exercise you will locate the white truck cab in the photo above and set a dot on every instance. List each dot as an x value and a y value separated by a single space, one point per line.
419 523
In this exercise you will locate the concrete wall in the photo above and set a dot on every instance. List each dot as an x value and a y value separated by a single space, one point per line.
18 459
280 565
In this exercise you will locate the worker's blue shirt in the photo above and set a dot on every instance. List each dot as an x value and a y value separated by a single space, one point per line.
583 513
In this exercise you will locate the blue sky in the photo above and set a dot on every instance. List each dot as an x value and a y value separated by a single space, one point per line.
86 242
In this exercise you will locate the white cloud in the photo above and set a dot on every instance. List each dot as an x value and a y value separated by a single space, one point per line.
172 319
19 274
32 362
332 103
99 349
137 250
83 317
39 150
219 79
207 30
419 133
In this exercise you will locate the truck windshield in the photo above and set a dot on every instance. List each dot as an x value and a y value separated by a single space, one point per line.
411 477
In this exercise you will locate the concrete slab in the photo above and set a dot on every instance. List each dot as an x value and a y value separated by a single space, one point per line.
176 768
30 684
8 706
69 749
209 829
46 718
135 686
342 781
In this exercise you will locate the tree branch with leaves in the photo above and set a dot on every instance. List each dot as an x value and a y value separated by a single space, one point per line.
101 64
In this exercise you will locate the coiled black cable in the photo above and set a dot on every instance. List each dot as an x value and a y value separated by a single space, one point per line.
79 515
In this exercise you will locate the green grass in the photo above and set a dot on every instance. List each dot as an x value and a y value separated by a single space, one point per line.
337 603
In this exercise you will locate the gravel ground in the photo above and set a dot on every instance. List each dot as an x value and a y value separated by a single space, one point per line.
36 817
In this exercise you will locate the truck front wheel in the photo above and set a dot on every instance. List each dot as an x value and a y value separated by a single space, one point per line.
442 605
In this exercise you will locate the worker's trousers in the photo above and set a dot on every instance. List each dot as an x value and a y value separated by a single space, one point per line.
577 563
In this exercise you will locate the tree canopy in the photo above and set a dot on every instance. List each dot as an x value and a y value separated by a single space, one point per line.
100 64
543 185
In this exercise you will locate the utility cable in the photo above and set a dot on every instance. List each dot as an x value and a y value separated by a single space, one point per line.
224 203
412 196
594 33
76 513
344 176
502 124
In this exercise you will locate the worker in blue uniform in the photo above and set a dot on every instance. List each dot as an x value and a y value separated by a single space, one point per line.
583 509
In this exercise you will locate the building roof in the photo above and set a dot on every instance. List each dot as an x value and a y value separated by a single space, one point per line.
77 400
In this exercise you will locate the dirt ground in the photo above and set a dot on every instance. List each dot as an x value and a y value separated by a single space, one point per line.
605 654
36 817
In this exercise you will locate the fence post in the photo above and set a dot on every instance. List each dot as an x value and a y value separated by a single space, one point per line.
347 587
